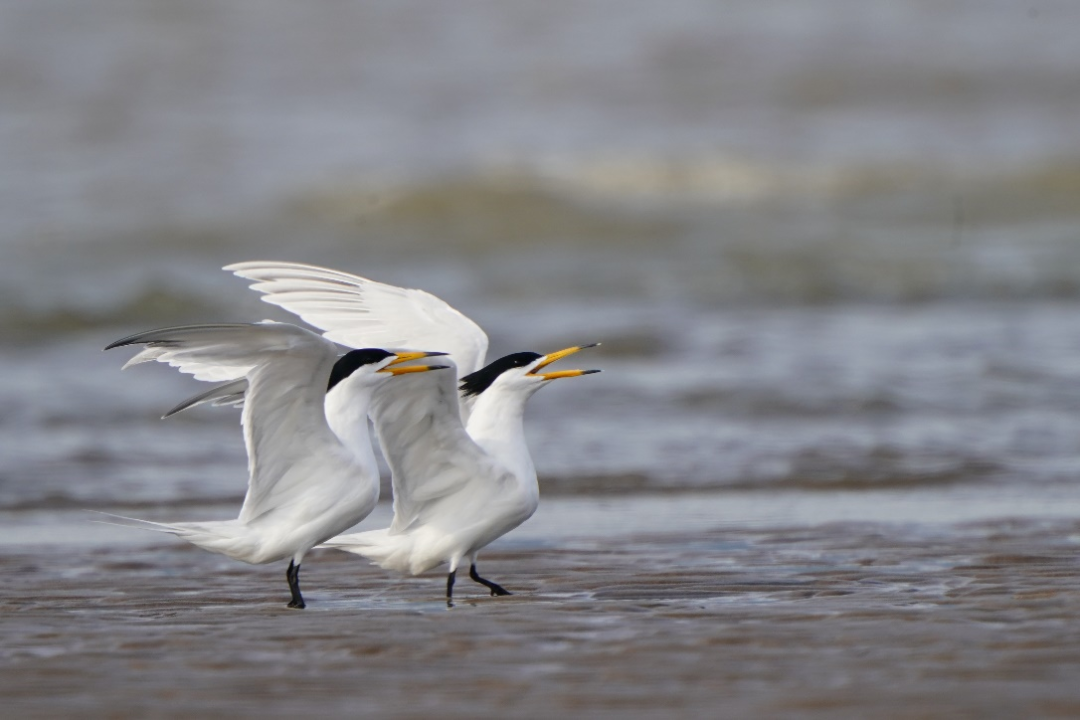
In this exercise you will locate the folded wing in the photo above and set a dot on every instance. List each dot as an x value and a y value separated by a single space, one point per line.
436 466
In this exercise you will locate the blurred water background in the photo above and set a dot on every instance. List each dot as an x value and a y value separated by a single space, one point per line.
829 247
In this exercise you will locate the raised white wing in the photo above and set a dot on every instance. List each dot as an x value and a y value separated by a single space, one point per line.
435 464
289 444
215 357
358 312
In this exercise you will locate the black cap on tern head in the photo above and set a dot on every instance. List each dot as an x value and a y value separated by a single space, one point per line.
482 379
348 363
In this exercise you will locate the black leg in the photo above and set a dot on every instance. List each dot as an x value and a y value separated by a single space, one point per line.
450 588
495 588
293 576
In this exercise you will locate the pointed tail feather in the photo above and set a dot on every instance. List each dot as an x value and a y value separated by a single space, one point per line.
226 537
372 544
130 522
390 552
356 540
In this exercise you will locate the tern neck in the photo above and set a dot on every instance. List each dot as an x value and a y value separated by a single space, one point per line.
496 424
347 414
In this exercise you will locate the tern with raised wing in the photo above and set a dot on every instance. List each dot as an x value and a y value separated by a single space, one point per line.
305 485
462 474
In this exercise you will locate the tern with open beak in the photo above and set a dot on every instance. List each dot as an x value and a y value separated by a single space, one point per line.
305 486
457 487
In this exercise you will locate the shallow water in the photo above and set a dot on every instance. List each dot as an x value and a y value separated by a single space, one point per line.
820 398
779 604
835 620
615 517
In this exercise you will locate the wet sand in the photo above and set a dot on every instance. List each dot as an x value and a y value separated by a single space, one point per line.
831 620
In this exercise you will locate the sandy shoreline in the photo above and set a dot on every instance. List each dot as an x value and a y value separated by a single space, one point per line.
833 620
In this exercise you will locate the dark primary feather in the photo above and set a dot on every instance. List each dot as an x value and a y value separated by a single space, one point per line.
231 393
169 334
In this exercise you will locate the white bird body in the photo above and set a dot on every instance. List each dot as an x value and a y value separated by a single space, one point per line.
457 487
305 485
452 494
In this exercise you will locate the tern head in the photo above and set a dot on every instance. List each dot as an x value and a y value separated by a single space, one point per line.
519 372
370 366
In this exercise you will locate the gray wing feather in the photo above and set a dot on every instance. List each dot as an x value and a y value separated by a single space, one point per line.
229 394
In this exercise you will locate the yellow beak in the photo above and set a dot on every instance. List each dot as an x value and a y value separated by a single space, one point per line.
548 359
406 357
412 369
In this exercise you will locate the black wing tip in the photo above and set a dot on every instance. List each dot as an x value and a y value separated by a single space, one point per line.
122 342
182 407
160 334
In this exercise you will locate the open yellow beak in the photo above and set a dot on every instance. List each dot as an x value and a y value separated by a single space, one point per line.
406 357
412 369
548 359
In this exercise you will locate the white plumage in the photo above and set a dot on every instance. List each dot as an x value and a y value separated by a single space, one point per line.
462 473
456 488
358 312
304 485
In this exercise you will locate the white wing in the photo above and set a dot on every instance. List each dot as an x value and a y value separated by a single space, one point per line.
358 312
215 357
287 367
435 464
